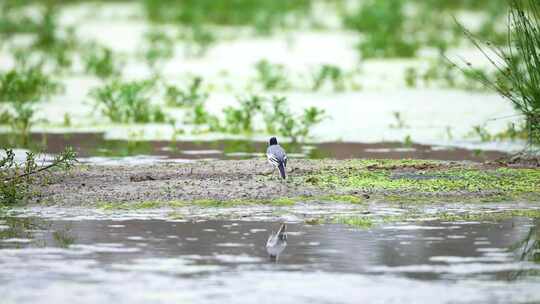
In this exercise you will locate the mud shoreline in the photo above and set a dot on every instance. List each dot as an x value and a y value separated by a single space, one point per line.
253 181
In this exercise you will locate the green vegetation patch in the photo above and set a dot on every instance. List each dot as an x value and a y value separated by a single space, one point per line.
262 15
366 222
214 203
362 222
127 102
428 178
489 216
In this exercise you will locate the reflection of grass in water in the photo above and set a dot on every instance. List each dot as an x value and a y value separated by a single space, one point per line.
527 249
63 238
19 228
120 148
355 221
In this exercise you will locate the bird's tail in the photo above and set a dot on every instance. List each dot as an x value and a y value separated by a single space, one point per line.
281 168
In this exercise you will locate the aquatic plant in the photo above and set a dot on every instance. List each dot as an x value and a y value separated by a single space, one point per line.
26 85
20 89
101 61
198 39
480 131
52 43
272 76
241 119
192 95
399 121
127 102
200 116
263 15
382 24
518 63
59 45
328 73
159 46
280 120
16 179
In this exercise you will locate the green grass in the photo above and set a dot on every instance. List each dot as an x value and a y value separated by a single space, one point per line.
518 63
502 180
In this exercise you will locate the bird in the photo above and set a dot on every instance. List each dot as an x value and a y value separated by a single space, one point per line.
277 242
276 156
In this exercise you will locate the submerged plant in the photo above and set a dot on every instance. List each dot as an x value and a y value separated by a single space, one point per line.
518 63
127 102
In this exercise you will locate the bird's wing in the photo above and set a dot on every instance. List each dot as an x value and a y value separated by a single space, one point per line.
272 158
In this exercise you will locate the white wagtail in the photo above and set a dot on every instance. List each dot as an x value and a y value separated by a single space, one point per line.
277 156
277 242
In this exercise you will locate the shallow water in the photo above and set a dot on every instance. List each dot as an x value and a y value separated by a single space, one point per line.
95 148
59 260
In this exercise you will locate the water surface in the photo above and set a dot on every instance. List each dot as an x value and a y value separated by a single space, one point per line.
206 261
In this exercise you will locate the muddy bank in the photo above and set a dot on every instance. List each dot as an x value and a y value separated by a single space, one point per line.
251 181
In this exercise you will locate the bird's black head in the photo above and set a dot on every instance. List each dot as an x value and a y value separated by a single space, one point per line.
273 141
